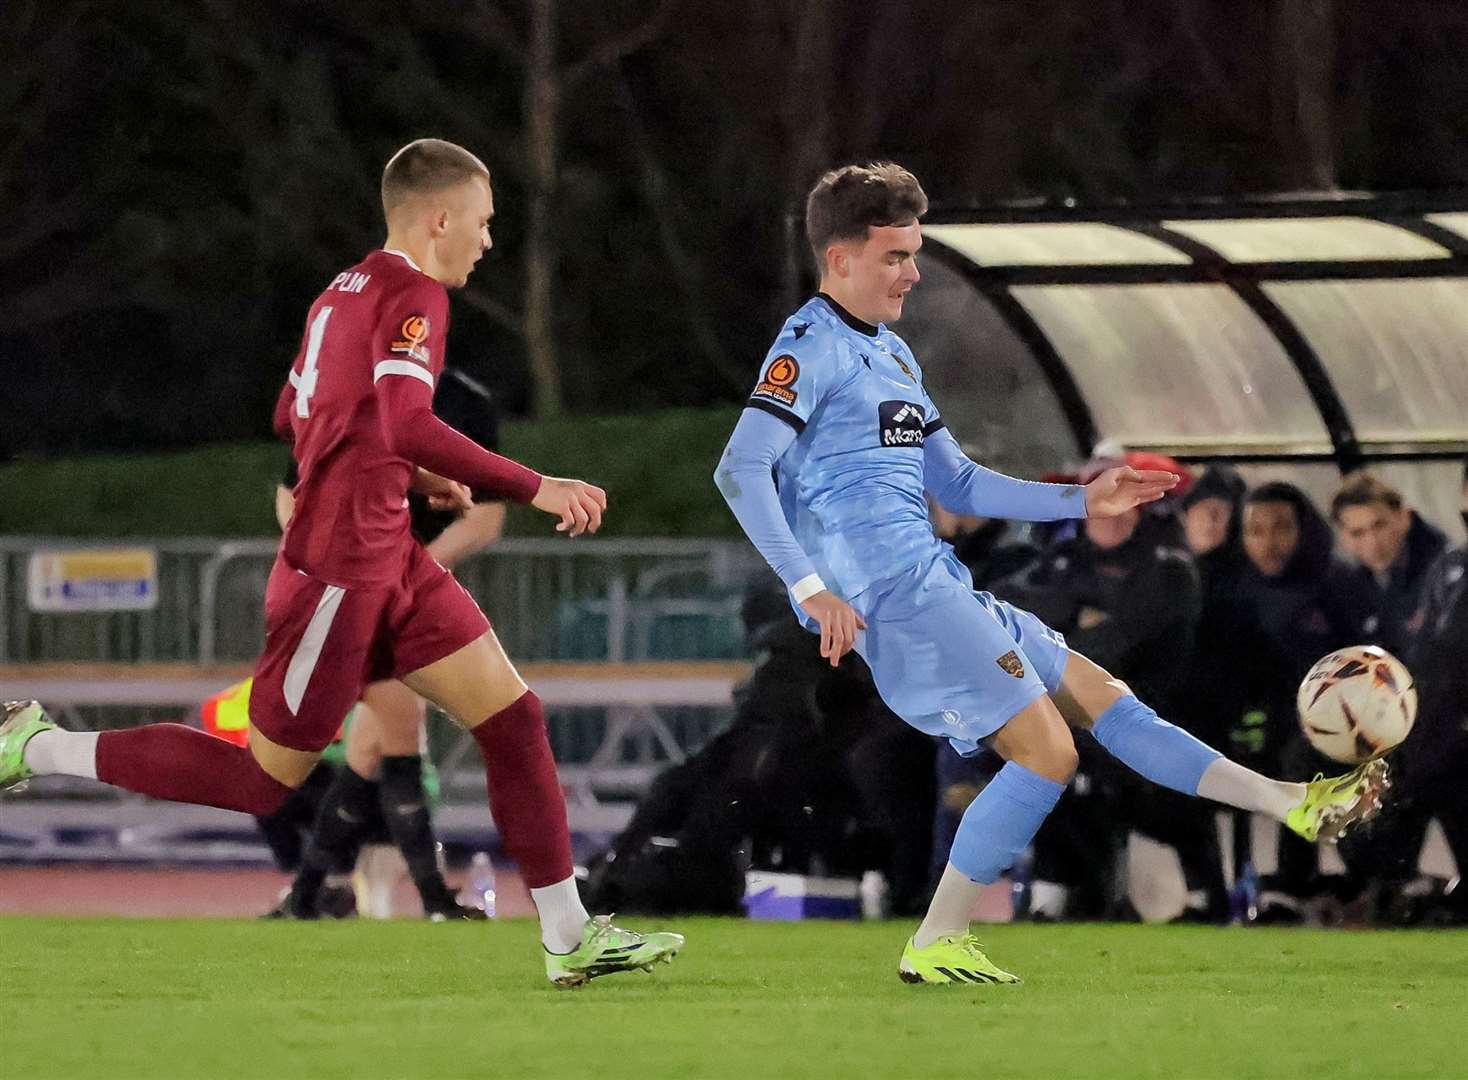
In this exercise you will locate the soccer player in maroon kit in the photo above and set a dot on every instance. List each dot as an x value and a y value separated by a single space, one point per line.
353 598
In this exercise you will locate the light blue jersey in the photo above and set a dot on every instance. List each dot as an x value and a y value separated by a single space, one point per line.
840 417
851 486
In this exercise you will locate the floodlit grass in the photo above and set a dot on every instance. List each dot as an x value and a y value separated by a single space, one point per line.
132 998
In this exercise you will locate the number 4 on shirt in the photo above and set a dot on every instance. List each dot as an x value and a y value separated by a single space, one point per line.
305 383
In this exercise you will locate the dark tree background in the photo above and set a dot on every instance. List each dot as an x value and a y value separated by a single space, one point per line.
177 182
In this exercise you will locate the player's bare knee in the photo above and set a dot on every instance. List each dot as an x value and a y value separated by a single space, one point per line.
1087 690
1055 760
283 764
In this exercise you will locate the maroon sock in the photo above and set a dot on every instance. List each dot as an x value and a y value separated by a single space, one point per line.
171 761
525 794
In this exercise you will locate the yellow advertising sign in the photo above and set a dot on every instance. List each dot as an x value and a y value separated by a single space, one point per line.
98 579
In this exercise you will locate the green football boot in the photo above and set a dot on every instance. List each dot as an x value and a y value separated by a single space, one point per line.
606 949
1333 806
19 721
958 958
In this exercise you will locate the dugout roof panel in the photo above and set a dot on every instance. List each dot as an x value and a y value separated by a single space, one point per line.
1396 351
1049 243
1308 337
1183 365
1453 221
1324 239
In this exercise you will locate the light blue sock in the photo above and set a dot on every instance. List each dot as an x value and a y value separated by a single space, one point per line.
1002 821
1149 745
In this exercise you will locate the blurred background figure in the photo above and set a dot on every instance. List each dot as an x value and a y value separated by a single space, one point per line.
1430 765
1123 591
1297 602
1393 549
1212 519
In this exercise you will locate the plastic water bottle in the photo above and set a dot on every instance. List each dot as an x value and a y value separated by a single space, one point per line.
1244 896
481 883
1020 882
873 893
1250 882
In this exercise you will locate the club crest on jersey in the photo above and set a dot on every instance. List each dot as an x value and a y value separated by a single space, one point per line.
901 423
1011 664
905 369
779 377
411 338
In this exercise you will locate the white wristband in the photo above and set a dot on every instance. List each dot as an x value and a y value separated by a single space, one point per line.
807 587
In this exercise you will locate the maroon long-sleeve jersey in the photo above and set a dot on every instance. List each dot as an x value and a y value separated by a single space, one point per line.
358 409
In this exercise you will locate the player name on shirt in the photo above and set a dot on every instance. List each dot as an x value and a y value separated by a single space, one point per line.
349 281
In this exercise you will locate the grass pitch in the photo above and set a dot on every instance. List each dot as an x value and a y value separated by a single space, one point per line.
222 999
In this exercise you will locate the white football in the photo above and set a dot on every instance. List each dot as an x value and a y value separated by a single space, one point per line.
1356 704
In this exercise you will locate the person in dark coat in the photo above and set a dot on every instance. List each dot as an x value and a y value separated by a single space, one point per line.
1303 603
1393 549
1429 766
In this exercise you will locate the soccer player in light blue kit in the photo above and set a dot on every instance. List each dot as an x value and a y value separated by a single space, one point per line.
826 472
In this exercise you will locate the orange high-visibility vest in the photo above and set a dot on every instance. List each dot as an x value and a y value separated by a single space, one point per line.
227 714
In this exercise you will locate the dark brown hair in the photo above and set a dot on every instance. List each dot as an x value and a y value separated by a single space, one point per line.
425 166
1363 489
846 201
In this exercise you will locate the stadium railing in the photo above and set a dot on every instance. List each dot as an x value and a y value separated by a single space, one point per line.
613 600
634 645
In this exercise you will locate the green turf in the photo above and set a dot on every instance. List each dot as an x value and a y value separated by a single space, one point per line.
111 999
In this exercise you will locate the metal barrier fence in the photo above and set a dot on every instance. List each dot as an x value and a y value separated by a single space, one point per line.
614 600
617 601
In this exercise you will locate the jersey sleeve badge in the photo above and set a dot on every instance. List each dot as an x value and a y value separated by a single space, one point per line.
412 338
779 379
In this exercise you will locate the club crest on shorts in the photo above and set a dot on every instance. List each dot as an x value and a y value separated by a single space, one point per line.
1011 664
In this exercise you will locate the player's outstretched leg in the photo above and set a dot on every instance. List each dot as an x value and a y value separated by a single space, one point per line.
529 808
166 761
996 828
1323 810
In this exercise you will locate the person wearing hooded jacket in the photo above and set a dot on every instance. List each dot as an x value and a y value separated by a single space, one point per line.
1302 603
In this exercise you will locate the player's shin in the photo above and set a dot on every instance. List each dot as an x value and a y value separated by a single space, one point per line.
405 809
529 809
171 761
1169 756
335 837
1150 746
995 829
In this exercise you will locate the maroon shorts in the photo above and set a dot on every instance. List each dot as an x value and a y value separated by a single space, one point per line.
324 643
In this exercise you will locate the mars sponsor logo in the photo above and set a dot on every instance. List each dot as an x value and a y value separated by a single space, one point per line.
411 337
1011 664
779 377
901 423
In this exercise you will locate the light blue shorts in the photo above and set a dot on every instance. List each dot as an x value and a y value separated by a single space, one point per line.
952 661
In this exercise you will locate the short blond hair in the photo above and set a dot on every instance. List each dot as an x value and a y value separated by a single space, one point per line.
426 166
